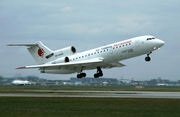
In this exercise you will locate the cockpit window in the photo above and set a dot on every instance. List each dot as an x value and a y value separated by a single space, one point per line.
151 38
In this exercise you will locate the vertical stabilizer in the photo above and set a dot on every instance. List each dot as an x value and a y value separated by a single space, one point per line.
39 51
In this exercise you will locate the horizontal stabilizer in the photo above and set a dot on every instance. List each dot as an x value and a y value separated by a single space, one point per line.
35 44
39 51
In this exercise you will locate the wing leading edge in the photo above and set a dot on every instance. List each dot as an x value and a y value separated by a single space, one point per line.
77 63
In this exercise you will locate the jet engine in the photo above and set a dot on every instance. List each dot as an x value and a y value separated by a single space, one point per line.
65 51
61 60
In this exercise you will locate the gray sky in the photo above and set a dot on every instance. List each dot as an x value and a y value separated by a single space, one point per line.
87 24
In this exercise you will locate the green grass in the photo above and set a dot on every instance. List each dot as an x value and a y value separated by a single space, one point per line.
88 107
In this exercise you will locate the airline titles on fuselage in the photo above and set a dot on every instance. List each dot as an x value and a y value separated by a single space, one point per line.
106 48
60 54
122 43
115 45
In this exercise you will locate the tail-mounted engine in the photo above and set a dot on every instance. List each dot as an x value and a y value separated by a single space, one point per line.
61 60
62 54
65 51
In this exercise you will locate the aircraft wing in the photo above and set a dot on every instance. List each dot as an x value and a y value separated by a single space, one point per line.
76 63
113 64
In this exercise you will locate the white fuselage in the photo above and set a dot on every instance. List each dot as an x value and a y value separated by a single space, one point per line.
111 53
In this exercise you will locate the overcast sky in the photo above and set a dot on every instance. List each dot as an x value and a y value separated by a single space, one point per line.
87 24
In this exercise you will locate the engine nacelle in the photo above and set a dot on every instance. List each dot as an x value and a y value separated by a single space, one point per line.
65 51
61 60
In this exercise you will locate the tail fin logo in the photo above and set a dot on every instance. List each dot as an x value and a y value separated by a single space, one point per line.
41 52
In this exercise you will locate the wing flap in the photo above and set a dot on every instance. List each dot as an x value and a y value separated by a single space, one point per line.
113 64
117 64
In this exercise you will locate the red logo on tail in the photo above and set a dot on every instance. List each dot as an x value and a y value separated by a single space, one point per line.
40 52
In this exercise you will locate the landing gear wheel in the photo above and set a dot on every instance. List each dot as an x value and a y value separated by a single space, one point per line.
99 73
81 75
96 76
147 59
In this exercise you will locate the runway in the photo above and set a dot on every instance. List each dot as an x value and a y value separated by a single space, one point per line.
94 94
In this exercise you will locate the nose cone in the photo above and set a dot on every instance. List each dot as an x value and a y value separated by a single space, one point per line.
160 43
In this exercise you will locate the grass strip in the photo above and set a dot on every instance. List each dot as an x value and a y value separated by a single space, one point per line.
88 107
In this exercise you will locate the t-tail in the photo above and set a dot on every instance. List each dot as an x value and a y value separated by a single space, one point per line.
39 51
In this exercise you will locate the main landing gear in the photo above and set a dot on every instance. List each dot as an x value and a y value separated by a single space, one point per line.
99 73
81 75
148 58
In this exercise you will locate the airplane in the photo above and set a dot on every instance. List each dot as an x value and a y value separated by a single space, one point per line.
21 82
68 61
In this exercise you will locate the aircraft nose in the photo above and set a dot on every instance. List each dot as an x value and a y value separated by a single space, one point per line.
160 43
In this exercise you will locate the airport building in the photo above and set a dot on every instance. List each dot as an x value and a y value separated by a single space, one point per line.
34 80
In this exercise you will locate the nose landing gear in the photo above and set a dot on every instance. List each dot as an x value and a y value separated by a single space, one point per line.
147 59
